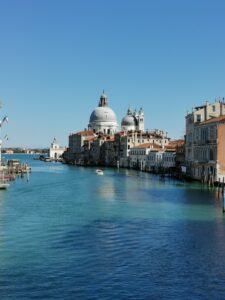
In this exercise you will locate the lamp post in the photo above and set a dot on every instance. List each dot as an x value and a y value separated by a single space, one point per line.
4 120
0 152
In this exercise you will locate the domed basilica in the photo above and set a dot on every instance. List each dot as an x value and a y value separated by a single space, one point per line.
103 119
133 120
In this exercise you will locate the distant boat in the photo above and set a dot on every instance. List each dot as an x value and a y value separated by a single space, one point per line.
3 185
99 172
47 159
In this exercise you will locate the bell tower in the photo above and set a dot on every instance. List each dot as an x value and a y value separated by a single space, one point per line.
141 119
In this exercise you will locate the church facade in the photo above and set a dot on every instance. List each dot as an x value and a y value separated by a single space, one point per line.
55 151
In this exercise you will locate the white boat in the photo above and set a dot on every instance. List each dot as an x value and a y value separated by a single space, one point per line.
3 185
99 172
3 182
47 159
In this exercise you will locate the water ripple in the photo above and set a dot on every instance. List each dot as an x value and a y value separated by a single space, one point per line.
69 234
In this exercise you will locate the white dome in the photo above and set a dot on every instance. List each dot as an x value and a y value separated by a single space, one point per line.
103 118
103 114
128 120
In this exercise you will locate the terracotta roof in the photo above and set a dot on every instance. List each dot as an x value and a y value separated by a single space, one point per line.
172 146
90 138
85 132
175 143
106 137
213 120
147 145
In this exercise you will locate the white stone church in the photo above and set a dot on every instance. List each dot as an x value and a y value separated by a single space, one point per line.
103 119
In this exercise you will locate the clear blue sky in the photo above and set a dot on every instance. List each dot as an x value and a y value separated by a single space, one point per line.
58 55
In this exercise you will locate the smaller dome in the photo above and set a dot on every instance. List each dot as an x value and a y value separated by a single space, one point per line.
128 120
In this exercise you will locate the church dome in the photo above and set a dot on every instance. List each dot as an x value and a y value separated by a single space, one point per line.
102 114
103 118
128 120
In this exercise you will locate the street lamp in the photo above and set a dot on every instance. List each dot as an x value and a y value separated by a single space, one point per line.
4 120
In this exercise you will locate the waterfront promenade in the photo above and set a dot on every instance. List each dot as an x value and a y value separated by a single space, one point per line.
70 234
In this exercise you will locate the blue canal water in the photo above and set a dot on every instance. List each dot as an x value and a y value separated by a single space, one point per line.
70 234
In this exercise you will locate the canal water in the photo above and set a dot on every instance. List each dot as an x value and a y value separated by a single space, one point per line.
67 233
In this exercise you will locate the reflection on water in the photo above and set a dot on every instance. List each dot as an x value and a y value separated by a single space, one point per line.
50 169
69 234
106 192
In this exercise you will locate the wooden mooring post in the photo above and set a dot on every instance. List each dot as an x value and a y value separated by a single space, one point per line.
218 189
223 203
223 196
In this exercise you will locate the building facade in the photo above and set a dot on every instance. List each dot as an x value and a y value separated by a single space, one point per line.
138 155
79 143
56 151
153 157
127 140
205 136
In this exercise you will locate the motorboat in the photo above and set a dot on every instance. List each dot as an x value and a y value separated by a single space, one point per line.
47 159
3 182
3 185
99 172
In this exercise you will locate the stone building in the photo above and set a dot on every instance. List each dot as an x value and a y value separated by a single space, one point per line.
55 151
205 142
153 157
102 144
108 155
96 152
160 159
198 115
79 143
124 141
138 155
